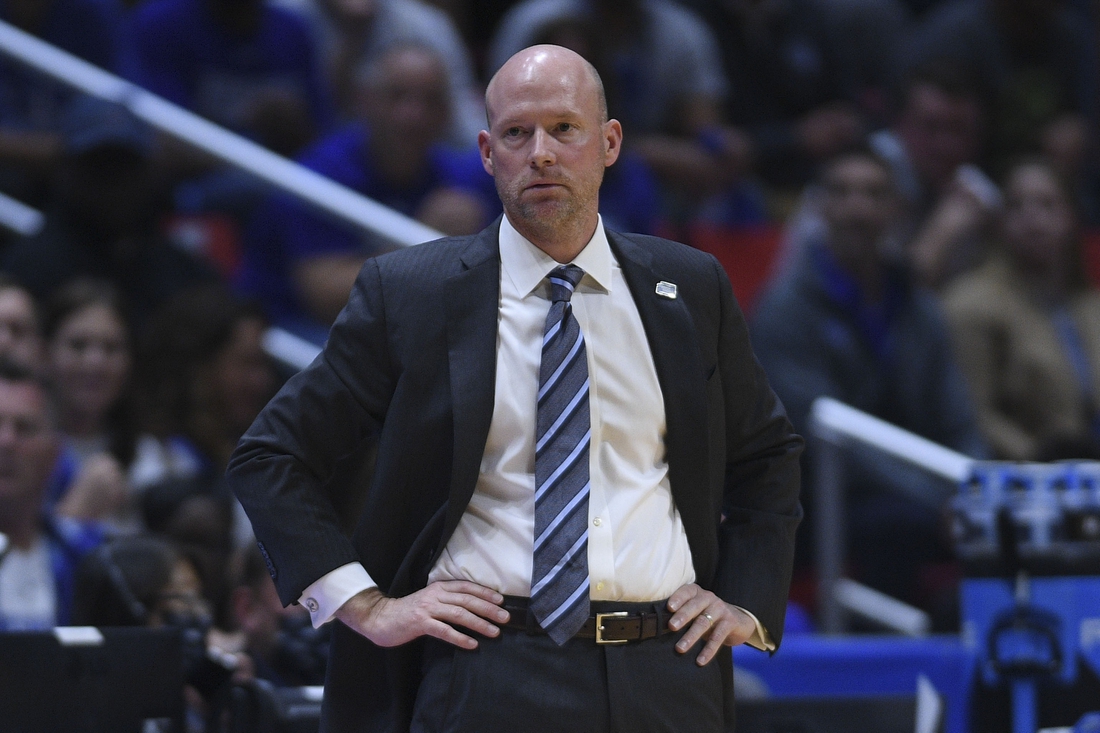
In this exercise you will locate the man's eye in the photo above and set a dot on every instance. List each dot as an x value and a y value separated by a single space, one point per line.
513 132
565 127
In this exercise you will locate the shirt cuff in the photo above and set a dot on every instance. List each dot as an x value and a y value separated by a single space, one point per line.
760 638
324 596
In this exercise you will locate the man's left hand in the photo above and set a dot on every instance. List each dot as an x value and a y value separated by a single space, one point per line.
709 618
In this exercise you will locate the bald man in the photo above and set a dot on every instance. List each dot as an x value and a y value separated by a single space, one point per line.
585 489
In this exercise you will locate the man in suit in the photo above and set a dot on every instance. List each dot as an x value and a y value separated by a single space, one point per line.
609 413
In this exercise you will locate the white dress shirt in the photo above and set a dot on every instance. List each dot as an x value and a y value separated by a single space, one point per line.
637 546
28 593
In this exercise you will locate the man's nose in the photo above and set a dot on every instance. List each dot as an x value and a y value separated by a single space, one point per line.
542 152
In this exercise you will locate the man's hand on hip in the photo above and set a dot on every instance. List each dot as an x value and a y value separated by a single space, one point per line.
710 618
433 611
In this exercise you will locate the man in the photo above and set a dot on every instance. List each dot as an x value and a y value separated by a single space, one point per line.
663 438
38 553
846 323
353 33
302 263
1036 61
933 147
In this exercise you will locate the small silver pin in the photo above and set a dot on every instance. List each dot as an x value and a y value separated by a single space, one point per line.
666 290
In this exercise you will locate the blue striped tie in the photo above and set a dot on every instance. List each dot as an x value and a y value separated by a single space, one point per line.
559 580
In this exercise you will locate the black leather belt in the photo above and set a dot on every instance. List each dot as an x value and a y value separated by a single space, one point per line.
611 622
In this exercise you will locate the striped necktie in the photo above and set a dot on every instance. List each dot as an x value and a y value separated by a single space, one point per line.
559 580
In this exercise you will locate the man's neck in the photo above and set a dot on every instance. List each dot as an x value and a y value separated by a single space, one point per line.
562 243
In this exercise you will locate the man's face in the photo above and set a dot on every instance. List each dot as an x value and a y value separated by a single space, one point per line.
19 337
941 132
28 444
859 206
547 146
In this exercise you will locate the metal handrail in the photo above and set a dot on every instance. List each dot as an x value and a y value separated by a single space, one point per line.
835 426
17 217
220 143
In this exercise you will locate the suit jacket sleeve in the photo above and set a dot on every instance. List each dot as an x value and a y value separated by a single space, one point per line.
760 507
282 467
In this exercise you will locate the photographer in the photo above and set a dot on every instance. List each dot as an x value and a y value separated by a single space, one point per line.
146 581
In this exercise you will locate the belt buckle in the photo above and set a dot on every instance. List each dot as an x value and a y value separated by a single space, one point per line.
599 628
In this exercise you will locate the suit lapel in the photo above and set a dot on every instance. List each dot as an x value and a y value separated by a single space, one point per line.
674 344
472 297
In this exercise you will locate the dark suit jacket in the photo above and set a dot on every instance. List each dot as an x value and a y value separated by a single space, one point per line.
411 363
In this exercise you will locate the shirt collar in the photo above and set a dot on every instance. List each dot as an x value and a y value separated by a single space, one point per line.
527 266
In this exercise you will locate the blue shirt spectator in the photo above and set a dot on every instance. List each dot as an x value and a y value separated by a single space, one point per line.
39 552
303 263
287 231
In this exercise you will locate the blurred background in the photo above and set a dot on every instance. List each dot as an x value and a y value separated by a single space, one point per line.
905 195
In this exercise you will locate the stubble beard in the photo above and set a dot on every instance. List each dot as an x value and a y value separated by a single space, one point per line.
549 220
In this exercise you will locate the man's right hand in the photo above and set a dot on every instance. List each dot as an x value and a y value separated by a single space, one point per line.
433 611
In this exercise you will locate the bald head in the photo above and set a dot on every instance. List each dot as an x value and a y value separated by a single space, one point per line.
547 146
538 63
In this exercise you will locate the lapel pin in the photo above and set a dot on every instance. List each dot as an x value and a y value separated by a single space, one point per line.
666 290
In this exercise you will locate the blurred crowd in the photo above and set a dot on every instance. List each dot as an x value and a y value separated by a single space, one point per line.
905 193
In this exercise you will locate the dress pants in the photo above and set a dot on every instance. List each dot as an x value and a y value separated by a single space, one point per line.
525 683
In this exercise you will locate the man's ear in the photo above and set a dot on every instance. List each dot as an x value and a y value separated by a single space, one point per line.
486 152
613 141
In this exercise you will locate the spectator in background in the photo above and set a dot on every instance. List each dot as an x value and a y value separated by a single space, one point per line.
139 581
147 581
793 86
31 105
20 335
353 33
104 217
1027 327
243 64
845 323
198 518
933 146
1035 59
202 378
89 360
302 263
661 68
37 569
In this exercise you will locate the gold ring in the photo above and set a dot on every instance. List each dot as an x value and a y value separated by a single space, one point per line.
708 617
